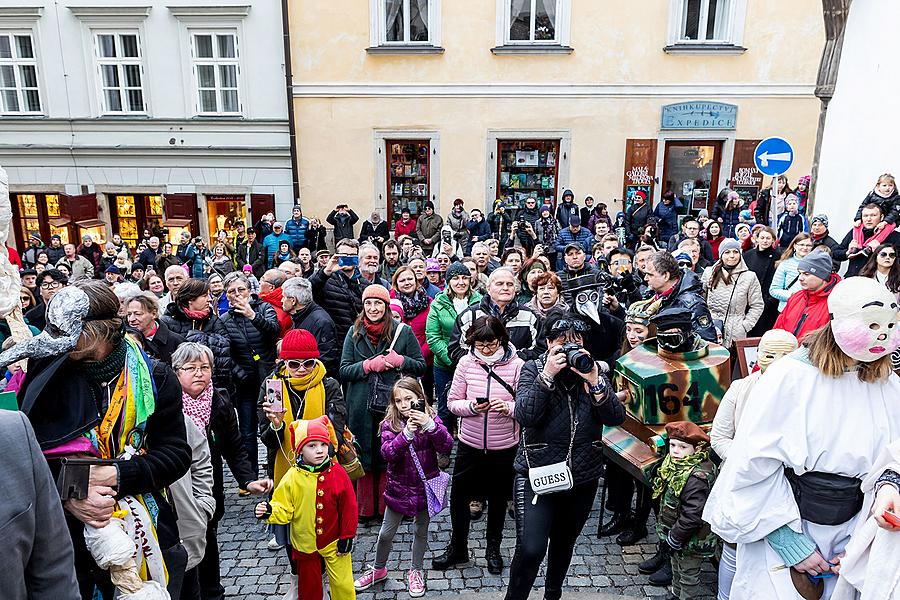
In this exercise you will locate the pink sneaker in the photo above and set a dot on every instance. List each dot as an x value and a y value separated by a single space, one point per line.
370 578
416 581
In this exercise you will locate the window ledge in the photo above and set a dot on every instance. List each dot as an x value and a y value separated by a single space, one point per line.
690 48
410 49
532 49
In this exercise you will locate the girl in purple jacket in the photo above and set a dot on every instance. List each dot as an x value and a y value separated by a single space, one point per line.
410 425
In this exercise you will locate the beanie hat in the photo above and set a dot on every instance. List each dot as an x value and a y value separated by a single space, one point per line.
112 269
746 214
35 235
743 226
110 245
397 307
456 269
821 218
247 268
137 266
302 432
816 263
299 344
377 291
684 257
575 220
729 244
545 208
703 213
431 265
687 432
428 204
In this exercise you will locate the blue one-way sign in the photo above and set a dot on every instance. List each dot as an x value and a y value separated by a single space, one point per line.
773 156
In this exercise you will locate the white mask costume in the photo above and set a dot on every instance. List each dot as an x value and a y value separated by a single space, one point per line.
773 345
864 318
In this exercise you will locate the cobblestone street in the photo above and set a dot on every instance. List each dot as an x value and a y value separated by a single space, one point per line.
252 572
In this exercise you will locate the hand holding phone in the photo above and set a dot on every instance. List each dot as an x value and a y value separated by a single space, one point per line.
482 405
273 395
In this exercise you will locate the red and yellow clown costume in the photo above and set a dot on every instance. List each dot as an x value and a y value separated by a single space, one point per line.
319 504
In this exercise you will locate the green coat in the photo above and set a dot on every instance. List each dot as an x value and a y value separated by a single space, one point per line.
441 318
364 424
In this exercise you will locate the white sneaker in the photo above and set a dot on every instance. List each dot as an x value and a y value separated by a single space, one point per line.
291 593
273 545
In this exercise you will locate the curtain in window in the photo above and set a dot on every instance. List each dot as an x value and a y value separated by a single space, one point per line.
520 20
691 19
393 20
545 20
418 20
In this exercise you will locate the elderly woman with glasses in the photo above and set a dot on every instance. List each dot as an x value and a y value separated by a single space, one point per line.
253 329
210 410
142 313
306 392
482 395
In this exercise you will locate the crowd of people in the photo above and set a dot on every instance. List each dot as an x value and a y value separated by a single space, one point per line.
471 352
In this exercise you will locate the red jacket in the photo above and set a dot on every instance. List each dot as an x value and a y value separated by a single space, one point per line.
284 319
401 228
806 311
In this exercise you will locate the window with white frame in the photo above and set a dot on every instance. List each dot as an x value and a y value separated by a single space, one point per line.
407 24
533 21
120 72
216 70
19 93
705 20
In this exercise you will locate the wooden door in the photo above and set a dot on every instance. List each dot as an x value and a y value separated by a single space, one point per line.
181 211
260 204
640 171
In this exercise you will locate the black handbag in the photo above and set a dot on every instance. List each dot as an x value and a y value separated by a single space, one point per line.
379 386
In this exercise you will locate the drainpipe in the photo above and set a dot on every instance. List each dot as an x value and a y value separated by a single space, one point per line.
289 92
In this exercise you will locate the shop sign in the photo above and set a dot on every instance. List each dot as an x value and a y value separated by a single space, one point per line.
699 115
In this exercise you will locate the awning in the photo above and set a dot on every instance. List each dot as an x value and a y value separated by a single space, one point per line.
176 222
60 222
90 223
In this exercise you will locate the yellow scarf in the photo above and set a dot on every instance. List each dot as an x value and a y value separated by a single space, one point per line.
313 406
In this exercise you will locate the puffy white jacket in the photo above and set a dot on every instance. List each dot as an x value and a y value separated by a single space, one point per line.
738 304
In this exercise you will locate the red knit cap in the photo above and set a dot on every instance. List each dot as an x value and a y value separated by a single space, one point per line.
299 344
377 291
302 432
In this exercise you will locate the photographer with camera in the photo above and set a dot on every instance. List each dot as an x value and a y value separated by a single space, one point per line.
562 403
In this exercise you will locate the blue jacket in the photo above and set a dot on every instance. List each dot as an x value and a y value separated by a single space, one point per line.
270 246
566 237
296 230
668 218
198 266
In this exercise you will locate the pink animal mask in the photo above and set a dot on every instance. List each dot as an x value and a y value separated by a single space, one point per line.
864 318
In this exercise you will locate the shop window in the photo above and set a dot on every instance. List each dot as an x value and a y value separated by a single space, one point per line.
97 233
19 93
527 169
28 214
222 212
120 72
407 176
44 214
126 213
691 172
216 70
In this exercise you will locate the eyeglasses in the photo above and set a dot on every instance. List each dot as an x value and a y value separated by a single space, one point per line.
482 346
236 290
51 285
294 365
887 255
201 369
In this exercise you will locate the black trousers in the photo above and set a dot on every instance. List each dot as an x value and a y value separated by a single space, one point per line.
556 519
479 475
620 490
208 577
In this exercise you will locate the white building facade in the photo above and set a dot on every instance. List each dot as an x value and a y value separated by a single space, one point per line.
117 118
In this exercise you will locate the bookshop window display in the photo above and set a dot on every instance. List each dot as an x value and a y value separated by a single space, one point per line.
134 214
527 169
691 171
40 213
408 174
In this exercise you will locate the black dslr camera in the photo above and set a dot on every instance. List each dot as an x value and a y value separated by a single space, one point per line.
576 358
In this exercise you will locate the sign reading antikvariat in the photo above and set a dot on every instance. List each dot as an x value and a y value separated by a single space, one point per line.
699 115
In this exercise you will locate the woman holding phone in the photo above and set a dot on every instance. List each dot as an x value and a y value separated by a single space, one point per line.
482 395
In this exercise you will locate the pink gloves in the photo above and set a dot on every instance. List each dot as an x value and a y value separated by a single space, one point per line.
375 364
393 359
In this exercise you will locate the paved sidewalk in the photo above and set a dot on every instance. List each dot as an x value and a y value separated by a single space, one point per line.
600 569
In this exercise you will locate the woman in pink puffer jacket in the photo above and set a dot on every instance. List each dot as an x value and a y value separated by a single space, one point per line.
483 396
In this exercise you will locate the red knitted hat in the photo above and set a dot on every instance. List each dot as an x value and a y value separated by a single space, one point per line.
320 429
299 344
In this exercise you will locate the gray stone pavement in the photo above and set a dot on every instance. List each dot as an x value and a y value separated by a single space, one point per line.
600 569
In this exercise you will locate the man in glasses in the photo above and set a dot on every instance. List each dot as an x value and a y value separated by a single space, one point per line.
678 288
690 229
48 284
338 286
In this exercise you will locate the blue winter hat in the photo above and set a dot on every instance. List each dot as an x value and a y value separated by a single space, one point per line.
620 214
684 257
746 214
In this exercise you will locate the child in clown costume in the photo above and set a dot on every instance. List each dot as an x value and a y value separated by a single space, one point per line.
315 497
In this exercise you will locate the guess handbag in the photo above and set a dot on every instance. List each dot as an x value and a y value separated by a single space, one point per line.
435 488
555 477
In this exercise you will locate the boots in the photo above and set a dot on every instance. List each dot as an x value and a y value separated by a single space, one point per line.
631 536
494 558
451 557
663 577
620 522
656 562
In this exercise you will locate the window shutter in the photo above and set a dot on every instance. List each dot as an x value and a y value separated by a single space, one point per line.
181 210
260 204
83 209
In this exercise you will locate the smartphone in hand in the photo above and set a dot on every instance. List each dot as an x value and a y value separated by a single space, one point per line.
418 405
273 394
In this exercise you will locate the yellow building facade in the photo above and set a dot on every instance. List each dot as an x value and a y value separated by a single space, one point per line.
399 101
